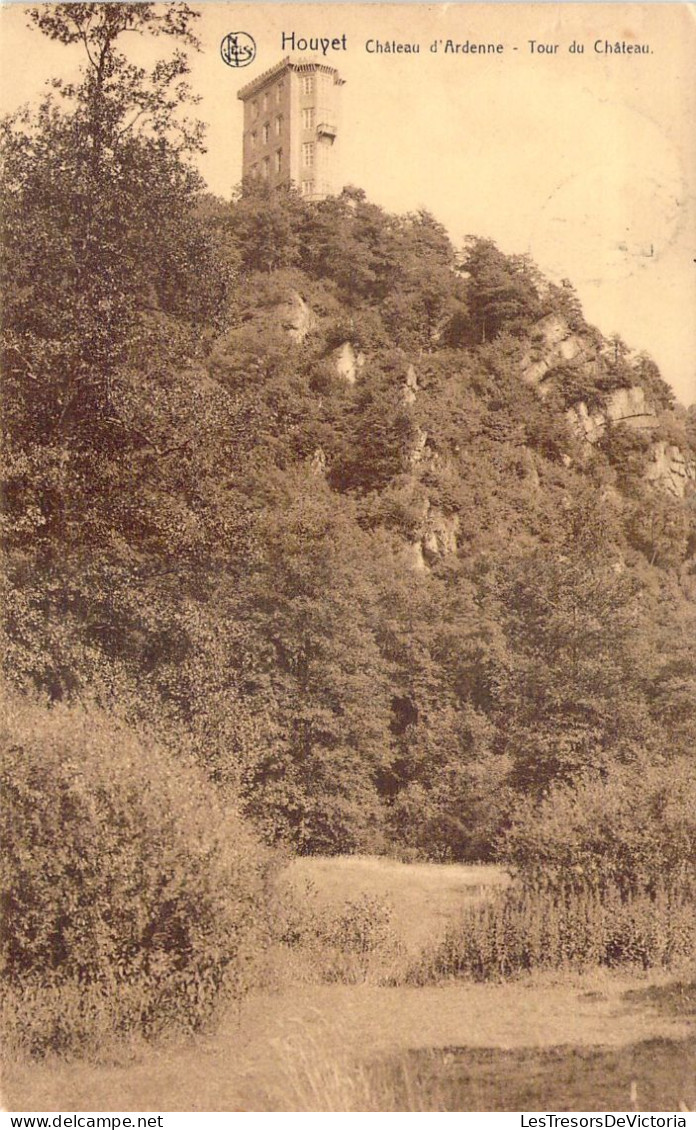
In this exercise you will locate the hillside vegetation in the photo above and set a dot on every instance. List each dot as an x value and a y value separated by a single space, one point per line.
333 541
375 530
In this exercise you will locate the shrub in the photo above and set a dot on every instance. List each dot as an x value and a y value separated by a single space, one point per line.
634 829
605 869
361 926
523 931
133 897
353 942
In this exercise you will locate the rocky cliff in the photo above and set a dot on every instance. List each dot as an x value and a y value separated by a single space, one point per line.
567 367
554 345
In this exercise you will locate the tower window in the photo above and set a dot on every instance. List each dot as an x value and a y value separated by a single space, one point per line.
308 118
266 167
254 109
278 160
308 84
308 154
307 187
265 101
279 92
278 125
253 139
266 133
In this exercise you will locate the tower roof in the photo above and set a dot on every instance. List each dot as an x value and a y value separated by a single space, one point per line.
303 65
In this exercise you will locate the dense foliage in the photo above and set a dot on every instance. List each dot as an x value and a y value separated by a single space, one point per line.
633 830
528 931
128 886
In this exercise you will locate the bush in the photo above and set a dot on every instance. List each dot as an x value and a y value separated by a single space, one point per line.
634 829
605 869
523 931
353 942
134 899
361 926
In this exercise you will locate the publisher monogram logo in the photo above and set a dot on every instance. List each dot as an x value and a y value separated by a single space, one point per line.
238 49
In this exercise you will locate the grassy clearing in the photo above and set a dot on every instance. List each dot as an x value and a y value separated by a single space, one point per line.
342 1047
364 919
570 1040
425 897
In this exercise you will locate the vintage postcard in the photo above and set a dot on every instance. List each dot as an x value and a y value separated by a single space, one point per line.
349 569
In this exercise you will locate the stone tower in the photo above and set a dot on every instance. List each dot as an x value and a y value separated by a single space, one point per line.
291 127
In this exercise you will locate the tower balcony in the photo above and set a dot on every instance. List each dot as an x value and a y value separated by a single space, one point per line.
327 129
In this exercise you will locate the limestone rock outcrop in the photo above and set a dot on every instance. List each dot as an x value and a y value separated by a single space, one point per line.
555 344
440 534
410 385
348 362
528 468
437 537
419 452
415 557
317 463
295 317
671 469
585 424
627 406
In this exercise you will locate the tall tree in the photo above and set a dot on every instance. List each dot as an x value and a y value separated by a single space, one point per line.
99 192
307 654
109 273
573 701
502 290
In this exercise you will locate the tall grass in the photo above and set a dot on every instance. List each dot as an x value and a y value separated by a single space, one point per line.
315 1075
524 930
352 943
315 1071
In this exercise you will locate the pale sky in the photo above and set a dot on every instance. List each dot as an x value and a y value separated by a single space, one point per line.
585 161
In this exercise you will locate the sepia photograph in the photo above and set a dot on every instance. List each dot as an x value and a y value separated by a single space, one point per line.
348 409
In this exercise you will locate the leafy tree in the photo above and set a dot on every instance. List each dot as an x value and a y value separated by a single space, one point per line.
352 242
427 297
100 214
573 700
265 225
307 655
379 432
659 528
445 788
501 290
627 451
111 276
649 376
563 299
